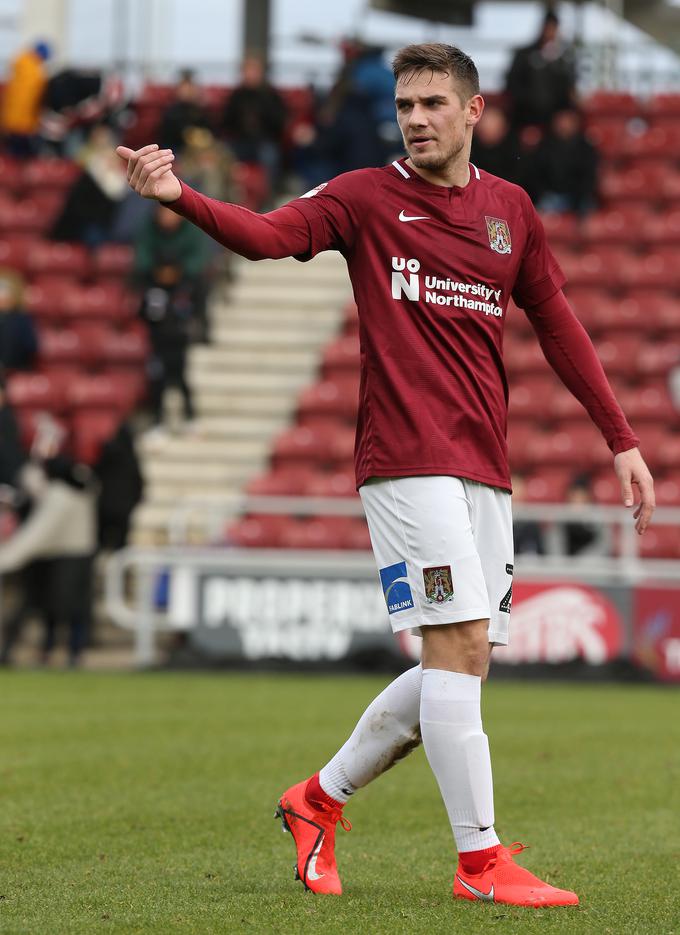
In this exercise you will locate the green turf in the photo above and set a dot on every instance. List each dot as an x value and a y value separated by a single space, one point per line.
143 804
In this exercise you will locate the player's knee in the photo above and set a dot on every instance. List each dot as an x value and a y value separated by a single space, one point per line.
458 647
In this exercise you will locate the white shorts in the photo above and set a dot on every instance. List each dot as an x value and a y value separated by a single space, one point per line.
444 550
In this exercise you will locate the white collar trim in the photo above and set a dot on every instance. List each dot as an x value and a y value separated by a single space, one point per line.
398 166
477 175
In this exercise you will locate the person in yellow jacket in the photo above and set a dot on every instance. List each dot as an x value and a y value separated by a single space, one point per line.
22 99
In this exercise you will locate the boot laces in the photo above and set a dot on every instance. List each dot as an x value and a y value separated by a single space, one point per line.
335 815
517 848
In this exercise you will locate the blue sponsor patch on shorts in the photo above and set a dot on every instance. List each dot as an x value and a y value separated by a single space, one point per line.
396 588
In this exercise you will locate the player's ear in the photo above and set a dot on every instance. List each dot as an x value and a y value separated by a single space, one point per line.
474 110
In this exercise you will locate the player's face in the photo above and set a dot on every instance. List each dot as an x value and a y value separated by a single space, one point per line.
434 121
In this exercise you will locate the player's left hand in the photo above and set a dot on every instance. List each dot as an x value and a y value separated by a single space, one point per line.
631 469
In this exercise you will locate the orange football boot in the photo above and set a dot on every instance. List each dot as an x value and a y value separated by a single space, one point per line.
503 881
313 829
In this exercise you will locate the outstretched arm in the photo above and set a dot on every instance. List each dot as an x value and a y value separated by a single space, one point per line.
571 354
280 233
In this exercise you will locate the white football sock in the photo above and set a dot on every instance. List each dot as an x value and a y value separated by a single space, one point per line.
387 731
457 750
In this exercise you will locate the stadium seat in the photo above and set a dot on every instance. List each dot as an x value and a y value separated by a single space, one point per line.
661 227
657 269
619 353
100 392
667 491
89 433
331 397
288 481
260 531
643 182
663 107
525 358
657 357
341 356
598 265
608 135
657 306
11 171
561 228
251 185
547 486
53 174
650 402
102 301
532 396
60 346
332 484
125 347
660 542
606 488
317 532
27 216
301 444
357 535
59 258
36 391
618 225
15 250
607 104
112 260
47 297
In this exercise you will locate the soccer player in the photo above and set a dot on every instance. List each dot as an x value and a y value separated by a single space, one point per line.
435 249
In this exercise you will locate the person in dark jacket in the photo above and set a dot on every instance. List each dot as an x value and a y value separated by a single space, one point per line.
184 114
568 164
494 146
167 309
542 77
254 120
121 487
18 337
168 239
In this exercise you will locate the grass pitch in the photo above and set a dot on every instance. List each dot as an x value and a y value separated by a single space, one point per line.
143 803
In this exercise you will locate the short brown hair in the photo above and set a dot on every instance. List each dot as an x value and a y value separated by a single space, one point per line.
439 57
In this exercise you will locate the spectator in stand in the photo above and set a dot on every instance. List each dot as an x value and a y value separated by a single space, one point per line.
542 77
18 337
95 197
75 100
168 239
54 548
254 120
22 100
528 171
185 113
167 309
494 146
121 487
527 533
568 167
583 538
12 454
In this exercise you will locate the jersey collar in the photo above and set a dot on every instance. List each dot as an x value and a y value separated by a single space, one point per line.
407 173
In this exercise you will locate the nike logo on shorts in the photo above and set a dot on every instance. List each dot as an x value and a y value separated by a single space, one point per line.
406 217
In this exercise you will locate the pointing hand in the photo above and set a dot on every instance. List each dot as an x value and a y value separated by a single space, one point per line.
149 172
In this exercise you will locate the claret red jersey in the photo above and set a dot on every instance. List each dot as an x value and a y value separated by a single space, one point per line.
432 269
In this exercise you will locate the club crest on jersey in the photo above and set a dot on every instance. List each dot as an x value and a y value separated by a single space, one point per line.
499 235
438 584
314 191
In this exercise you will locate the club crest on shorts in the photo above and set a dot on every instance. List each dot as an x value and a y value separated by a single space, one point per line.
499 235
438 584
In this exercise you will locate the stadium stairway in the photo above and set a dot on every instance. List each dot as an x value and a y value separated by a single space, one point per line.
266 343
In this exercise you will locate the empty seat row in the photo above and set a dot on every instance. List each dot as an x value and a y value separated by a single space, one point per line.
317 532
93 343
51 298
67 260
61 390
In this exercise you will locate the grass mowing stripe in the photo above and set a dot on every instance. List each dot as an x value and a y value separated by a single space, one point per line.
143 804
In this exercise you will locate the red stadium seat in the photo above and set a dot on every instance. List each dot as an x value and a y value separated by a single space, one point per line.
113 261
607 104
658 269
27 216
658 307
60 346
531 397
90 431
643 182
260 531
59 258
105 301
619 354
50 173
341 356
561 228
288 481
608 135
525 358
657 357
667 491
651 403
661 228
595 266
47 297
334 484
301 444
666 452
317 532
101 392
357 535
548 486
662 107
15 250
124 347
616 225
251 185
606 488
331 397
660 542
11 171
35 391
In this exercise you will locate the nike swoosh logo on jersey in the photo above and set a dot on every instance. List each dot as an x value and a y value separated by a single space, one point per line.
311 869
406 217
485 897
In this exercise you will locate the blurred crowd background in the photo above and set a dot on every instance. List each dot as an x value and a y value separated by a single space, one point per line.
113 309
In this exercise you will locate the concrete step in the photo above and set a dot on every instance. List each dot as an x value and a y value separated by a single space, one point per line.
309 339
196 450
256 425
320 316
274 295
257 384
210 404
283 359
194 475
